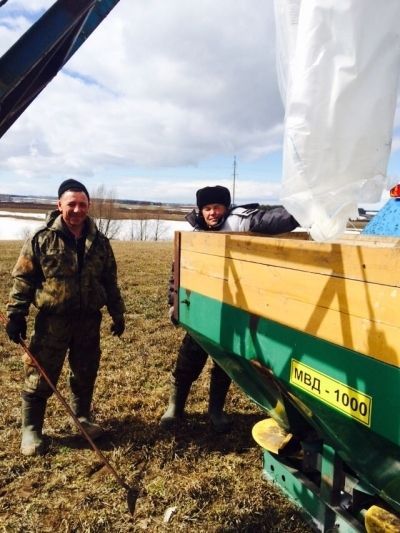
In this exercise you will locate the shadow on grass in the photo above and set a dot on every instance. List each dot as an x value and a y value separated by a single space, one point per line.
78 442
193 429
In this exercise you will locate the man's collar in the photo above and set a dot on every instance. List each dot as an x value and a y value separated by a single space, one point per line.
71 235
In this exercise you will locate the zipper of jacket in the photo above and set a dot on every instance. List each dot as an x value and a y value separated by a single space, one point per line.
78 269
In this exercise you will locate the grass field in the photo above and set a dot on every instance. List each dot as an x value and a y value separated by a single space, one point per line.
212 482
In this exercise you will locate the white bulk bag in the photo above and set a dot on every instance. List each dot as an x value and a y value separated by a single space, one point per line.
339 61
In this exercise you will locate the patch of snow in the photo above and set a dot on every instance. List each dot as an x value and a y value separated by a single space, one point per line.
14 228
16 214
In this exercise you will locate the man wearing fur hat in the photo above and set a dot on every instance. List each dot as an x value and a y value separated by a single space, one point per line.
215 213
67 270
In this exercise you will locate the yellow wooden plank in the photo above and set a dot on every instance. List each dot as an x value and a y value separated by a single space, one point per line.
367 262
370 301
277 295
369 240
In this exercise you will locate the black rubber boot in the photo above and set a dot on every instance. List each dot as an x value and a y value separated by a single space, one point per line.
33 410
176 405
219 386
80 405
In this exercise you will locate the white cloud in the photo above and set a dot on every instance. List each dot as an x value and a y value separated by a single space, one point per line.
396 144
158 85
29 5
182 190
170 83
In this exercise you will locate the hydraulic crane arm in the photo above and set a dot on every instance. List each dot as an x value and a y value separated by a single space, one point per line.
29 65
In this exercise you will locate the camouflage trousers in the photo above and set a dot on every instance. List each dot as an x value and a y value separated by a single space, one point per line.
53 338
191 361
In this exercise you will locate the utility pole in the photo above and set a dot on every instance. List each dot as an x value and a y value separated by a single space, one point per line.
234 180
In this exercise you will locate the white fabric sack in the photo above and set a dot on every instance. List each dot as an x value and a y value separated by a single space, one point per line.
340 62
286 21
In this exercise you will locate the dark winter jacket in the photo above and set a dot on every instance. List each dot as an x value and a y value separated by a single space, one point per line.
250 218
58 275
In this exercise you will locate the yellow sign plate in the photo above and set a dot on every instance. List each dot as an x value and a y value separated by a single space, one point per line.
349 401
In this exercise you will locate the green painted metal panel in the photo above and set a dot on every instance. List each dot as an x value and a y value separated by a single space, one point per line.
300 492
235 338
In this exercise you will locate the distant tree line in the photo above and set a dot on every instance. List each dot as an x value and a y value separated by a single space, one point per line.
104 210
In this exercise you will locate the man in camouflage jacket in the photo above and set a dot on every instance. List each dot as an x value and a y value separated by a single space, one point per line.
67 270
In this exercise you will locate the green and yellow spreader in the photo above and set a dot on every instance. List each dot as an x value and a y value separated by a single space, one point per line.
311 333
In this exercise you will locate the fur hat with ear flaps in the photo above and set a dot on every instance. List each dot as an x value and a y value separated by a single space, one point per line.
213 195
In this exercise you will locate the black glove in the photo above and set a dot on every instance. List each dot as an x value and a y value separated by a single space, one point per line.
16 328
118 326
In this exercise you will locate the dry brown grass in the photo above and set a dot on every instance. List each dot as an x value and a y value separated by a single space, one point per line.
213 481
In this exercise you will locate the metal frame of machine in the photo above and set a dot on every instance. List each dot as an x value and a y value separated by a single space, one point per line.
33 61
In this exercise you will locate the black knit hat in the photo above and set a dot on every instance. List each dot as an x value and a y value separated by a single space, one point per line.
213 195
72 185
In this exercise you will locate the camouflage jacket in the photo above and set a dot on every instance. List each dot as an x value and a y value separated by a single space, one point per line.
47 273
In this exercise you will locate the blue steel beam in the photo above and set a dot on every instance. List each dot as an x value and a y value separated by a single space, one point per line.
33 61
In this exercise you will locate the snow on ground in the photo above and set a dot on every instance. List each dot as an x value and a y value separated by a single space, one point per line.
131 229
15 228
16 214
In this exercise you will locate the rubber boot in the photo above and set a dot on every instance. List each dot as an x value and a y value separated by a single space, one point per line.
176 406
33 410
81 407
92 429
218 391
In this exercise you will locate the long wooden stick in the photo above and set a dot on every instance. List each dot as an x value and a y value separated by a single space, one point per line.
69 410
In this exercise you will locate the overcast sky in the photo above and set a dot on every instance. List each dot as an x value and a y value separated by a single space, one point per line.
155 104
